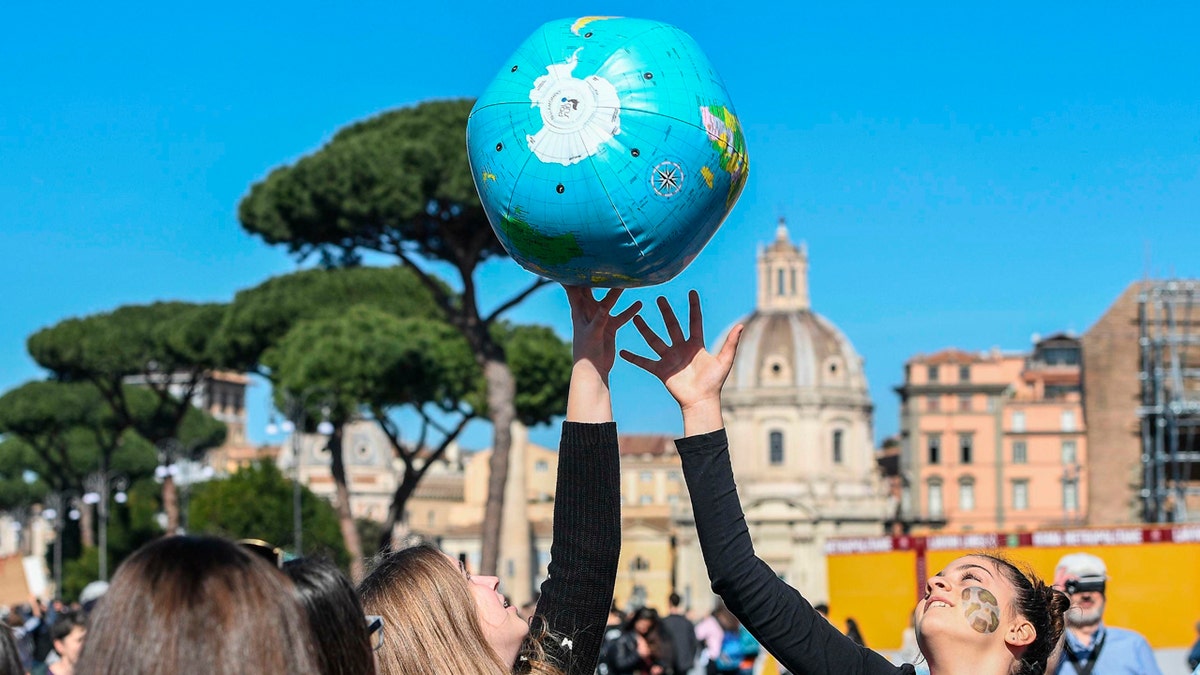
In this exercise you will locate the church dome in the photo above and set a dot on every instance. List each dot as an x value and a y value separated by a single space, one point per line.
787 346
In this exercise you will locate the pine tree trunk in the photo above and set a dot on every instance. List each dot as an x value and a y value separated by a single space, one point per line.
170 498
404 490
501 390
345 515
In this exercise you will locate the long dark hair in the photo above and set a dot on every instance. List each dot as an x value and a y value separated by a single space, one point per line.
1042 606
192 605
10 658
335 615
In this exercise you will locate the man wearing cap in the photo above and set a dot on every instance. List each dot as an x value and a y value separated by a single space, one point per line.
1090 647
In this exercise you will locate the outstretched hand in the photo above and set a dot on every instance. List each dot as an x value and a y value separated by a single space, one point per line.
693 376
594 327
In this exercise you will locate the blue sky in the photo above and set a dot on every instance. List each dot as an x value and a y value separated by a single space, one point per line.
963 176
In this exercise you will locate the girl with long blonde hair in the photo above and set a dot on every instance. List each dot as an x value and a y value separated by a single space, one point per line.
440 619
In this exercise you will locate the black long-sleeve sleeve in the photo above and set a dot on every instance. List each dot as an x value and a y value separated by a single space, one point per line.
775 613
577 595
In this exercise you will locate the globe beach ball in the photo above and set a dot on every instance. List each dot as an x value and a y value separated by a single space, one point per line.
606 152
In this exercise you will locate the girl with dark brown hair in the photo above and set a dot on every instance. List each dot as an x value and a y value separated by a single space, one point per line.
197 606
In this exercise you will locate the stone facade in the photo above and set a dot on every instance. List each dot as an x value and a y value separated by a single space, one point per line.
1113 394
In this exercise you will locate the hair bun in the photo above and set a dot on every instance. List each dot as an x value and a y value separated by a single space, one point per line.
1057 601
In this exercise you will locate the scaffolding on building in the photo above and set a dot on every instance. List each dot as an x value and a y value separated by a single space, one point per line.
1169 346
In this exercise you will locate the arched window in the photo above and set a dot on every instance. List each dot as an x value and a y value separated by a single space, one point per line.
966 493
775 456
837 446
935 498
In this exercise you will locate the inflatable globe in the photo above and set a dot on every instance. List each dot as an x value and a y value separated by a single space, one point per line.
606 152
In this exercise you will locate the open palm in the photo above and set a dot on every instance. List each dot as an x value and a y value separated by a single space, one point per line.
594 327
690 373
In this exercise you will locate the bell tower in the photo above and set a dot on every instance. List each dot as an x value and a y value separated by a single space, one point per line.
783 274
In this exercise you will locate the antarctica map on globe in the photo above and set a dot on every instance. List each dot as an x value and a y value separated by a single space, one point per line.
606 152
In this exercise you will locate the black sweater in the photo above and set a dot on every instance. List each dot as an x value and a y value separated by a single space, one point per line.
775 613
577 595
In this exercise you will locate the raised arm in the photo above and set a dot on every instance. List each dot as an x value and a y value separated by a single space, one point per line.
775 613
576 596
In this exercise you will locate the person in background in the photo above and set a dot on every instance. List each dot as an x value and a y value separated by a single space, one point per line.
190 605
681 633
1091 647
343 644
642 648
10 658
67 635
612 635
1193 657
90 595
822 609
854 633
719 635
24 621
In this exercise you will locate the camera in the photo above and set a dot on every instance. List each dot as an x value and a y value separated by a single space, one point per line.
1084 585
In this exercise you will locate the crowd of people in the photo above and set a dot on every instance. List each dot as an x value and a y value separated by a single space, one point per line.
197 604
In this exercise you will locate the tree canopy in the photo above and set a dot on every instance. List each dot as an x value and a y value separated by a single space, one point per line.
256 503
400 184
60 431
260 316
397 181
106 348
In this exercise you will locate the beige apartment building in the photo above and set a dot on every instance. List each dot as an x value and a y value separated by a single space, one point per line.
994 441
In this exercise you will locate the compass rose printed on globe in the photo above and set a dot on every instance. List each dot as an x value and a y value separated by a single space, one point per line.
606 152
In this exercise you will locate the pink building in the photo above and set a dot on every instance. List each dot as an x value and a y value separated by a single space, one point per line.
993 441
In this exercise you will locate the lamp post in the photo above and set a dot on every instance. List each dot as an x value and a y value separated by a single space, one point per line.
99 485
58 507
294 417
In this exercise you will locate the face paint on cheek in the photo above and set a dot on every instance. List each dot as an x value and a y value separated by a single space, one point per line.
981 609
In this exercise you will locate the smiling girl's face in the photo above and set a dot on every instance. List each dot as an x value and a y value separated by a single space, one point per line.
969 600
504 628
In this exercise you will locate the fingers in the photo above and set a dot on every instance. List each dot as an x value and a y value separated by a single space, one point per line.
625 315
610 299
695 317
652 340
672 324
577 296
729 349
639 361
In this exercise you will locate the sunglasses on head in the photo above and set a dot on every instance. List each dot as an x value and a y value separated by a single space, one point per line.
272 554
375 631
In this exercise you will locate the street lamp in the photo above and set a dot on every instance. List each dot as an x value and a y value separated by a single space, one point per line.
100 486
295 410
58 507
